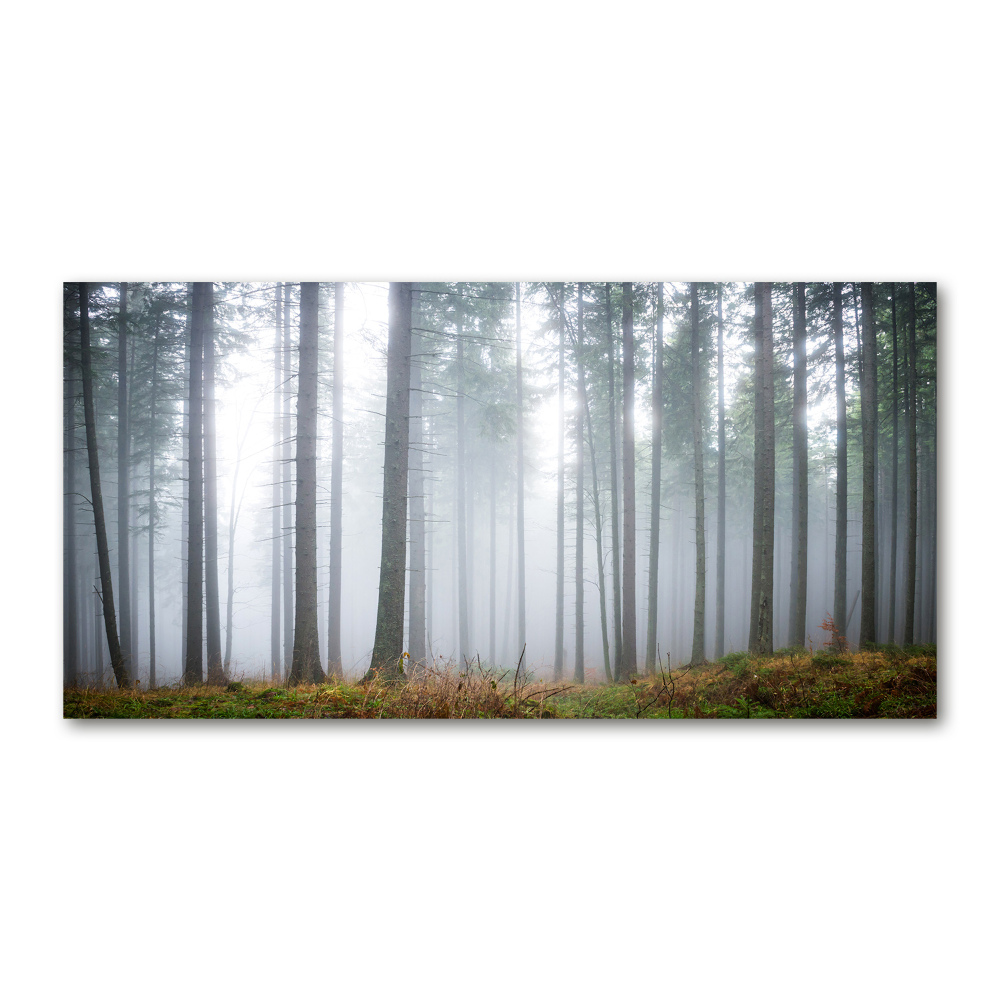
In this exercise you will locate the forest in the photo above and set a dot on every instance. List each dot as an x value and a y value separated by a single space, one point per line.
499 499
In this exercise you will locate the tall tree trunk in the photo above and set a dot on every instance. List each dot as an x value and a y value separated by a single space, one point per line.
70 627
698 639
521 614
654 500
107 596
392 579
609 675
720 552
893 550
306 663
417 641
464 651
186 464
213 629
288 552
561 496
868 418
840 546
581 406
152 509
335 663
193 663
493 555
124 590
276 475
800 474
628 488
911 441
615 541
762 610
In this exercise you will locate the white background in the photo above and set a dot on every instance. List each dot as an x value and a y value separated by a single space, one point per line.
566 141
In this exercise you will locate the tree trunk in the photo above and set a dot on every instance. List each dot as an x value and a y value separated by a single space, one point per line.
417 642
868 419
654 501
800 475
581 406
911 441
276 476
628 488
720 553
334 655
521 615
615 541
70 627
561 497
840 546
186 464
213 629
288 554
609 675
460 523
152 510
306 664
762 610
388 643
107 596
893 550
698 639
124 590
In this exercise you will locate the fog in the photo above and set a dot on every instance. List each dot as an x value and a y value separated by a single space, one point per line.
244 319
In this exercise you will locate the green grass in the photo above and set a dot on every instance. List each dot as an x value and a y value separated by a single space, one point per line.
884 682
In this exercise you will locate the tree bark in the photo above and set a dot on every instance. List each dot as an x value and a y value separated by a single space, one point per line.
464 651
720 556
288 552
276 476
306 664
581 406
213 629
70 600
893 550
193 662
609 674
388 643
800 474
615 540
762 613
107 596
698 639
124 590
150 558
911 441
334 662
840 547
868 418
628 488
417 641
558 664
521 615
654 500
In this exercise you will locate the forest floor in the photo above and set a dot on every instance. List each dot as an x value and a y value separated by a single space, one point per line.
889 682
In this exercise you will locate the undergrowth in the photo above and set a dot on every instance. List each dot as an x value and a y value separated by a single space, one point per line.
884 682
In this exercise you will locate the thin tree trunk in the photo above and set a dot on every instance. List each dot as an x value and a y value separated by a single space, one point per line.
186 464
561 496
150 558
720 552
609 675
107 596
615 542
493 556
388 643
464 651
800 475
893 550
521 614
276 476
581 406
698 639
417 641
868 418
628 488
335 663
193 663
911 440
654 500
840 547
70 627
288 554
213 629
124 590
